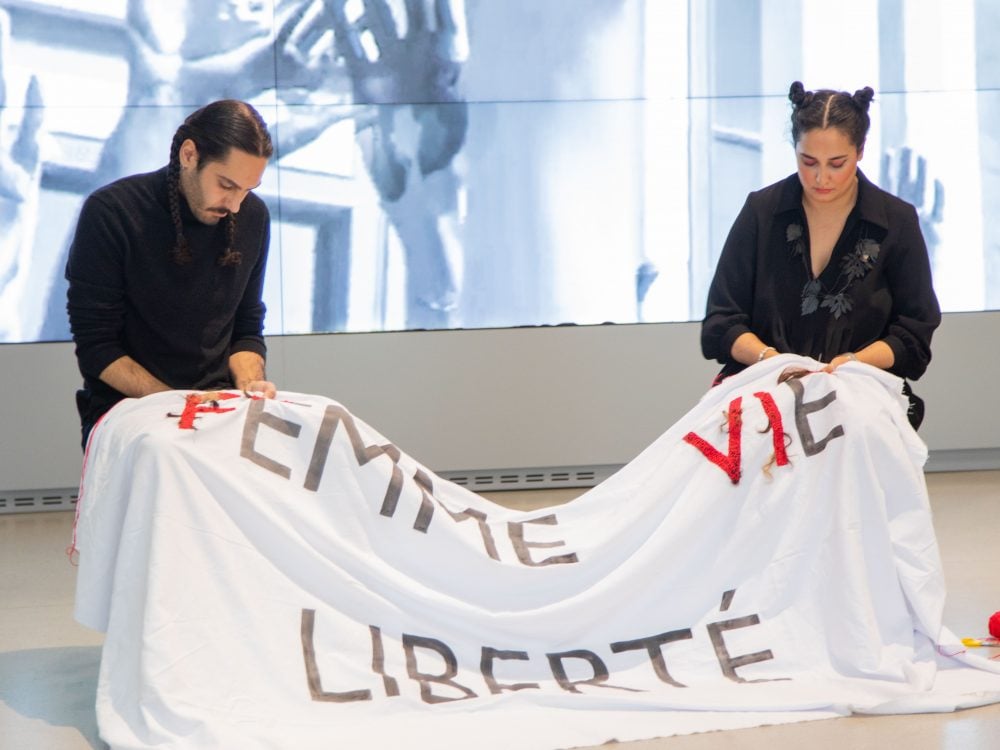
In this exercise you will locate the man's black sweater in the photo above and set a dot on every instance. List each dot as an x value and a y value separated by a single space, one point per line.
127 296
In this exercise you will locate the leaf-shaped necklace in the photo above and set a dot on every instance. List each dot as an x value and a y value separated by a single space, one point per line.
853 266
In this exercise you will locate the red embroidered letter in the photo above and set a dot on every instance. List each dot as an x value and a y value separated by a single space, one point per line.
777 428
193 407
729 463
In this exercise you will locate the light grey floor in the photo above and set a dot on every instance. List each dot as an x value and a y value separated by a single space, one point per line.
48 663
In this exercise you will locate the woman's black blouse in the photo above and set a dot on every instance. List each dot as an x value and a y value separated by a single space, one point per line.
877 285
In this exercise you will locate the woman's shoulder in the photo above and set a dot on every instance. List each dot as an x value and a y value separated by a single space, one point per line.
881 206
785 194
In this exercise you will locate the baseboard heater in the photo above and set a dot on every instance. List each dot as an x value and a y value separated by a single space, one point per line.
492 480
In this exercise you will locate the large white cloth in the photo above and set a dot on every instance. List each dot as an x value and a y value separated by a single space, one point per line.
284 577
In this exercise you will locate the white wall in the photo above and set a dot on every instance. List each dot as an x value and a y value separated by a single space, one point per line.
491 399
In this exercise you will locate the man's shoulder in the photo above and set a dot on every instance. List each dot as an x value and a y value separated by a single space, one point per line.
131 191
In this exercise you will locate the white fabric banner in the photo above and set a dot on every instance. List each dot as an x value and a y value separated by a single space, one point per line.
276 574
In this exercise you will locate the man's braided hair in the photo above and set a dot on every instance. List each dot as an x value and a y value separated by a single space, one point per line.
215 129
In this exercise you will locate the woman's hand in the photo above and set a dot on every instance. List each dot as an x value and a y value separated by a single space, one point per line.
878 354
839 360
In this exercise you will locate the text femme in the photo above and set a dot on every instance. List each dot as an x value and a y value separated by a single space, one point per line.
336 415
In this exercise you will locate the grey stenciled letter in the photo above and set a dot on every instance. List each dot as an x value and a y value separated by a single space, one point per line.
256 416
803 409
522 547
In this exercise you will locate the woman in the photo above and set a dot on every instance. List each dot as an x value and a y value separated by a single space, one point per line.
824 263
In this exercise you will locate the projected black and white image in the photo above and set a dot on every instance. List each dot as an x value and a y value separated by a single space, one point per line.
476 163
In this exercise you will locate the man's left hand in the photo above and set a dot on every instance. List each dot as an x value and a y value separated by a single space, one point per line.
263 388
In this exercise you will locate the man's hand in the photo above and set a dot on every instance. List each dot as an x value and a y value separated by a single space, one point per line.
127 376
263 388
247 369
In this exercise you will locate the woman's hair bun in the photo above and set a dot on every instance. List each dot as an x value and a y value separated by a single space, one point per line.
797 93
863 97
825 108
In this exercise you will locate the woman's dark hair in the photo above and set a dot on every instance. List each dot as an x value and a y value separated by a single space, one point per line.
215 129
831 109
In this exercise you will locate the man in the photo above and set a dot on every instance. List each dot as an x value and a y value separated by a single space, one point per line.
182 52
166 269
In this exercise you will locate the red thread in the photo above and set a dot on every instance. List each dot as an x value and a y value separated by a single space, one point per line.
728 463
777 427
191 404
193 407
72 550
